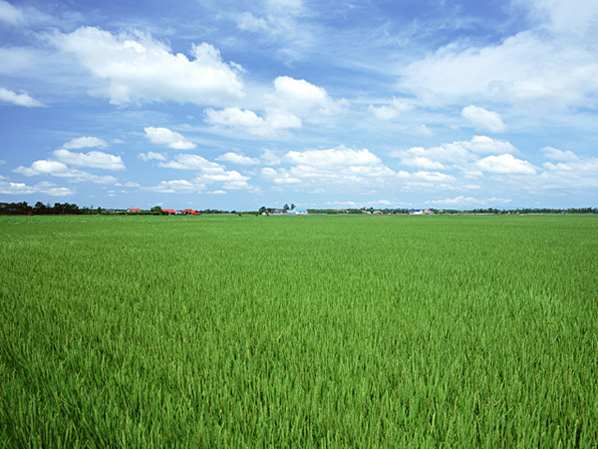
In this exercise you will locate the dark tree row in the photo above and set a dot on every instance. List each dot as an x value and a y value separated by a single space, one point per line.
40 208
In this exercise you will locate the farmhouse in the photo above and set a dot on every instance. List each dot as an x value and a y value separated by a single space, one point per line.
421 212
133 210
169 211
297 211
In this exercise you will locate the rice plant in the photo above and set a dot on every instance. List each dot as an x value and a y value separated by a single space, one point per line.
338 331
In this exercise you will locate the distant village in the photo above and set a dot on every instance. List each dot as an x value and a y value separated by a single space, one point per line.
23 208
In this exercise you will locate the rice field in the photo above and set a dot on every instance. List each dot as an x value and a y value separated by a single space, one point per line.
318 331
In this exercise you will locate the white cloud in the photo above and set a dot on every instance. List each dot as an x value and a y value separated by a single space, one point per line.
573 16
176 186
334 158
236 158
279 21
191 162
459 200
164 136
392 110
559 155
252 123
574 174
232 180
209 172
301 97
93 159
138 68
506 164
19 188
459 153
283 177
151 156
85 142
249 22
532 68
10 14
487 145
21 99
462 200
355 169
234 117
269 157
55 168
383 112
421 158
484 119
429 176
577 166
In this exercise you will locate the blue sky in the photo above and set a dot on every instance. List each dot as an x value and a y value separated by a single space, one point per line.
239 104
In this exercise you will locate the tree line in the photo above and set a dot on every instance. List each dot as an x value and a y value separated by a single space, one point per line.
23 208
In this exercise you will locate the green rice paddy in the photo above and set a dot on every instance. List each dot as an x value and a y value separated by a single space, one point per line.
318 331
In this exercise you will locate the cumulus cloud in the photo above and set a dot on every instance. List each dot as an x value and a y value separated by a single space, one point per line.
208 172
301 97
559 155
85 142
19 188
392 110
269 157
282 177
462 200
578 166
427 176
249 121
486 145
339 165
191 162
573 174
421 158
506 164
533 68
459 200
334 158
171 139
93 159
458 153
138 68
239 159
176 186
483 119
55 168
151 156
21 99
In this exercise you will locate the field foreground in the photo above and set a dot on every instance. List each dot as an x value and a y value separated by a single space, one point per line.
337 331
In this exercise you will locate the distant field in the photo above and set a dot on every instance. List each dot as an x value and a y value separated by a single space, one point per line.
328 331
